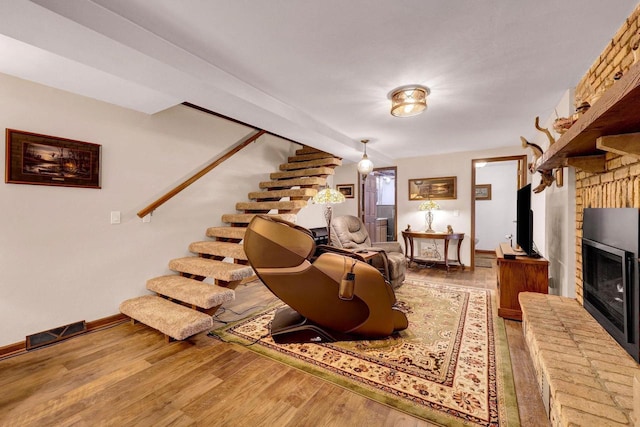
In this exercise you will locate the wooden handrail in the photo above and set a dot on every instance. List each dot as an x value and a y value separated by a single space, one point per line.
239 146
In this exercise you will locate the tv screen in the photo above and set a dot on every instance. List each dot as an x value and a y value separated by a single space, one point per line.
524 221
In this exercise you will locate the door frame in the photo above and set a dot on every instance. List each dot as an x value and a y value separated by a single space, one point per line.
395 199
521 180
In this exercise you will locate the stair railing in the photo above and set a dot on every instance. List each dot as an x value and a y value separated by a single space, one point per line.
237 147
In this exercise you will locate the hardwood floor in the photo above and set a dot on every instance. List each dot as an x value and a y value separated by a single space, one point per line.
128 375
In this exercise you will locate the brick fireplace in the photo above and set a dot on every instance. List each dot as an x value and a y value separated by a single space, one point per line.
585 377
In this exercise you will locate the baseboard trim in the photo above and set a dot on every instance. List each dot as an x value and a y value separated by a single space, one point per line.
19 348
484 251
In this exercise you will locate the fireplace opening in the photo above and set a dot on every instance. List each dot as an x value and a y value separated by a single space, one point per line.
610 247
605 284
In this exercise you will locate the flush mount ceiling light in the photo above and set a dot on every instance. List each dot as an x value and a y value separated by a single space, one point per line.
410 100
365 166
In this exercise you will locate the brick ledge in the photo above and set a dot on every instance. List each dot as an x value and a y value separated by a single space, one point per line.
584 376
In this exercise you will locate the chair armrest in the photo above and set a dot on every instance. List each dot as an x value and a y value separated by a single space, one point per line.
321 249
389 246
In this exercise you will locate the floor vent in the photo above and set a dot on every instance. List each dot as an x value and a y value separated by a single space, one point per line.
55 335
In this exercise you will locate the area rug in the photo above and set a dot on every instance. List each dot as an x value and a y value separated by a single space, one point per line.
451 366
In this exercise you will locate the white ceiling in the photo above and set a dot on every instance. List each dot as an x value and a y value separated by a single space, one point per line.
319 71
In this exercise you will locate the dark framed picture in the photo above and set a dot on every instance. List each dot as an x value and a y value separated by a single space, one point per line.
346 190
443 188
37 159
483 192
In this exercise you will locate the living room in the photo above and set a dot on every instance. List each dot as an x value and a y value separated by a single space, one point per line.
64 261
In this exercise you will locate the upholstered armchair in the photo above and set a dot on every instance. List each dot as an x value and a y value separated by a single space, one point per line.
348 232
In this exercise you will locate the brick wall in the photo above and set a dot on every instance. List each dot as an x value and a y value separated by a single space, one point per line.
619 185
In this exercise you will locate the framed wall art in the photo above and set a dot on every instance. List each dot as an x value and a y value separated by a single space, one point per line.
483 192
37 159
346 190
443 188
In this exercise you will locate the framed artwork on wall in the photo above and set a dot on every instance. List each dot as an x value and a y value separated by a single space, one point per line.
346 190
443 188
483 192
37 159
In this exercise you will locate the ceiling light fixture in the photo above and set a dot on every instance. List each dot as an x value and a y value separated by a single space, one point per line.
407 101
365 166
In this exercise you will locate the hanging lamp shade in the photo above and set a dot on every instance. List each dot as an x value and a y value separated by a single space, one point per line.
407 101
365 166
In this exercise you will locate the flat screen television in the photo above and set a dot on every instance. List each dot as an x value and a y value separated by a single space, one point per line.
524 221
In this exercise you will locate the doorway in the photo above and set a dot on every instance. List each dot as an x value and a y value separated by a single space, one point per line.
494 183
377 204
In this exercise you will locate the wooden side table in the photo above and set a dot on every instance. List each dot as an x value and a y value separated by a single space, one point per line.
410 236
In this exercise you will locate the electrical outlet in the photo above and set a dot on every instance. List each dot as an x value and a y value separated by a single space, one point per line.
115 217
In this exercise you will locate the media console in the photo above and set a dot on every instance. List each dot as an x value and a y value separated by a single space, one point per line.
517 273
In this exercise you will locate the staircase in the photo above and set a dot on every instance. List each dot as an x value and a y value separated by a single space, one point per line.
183 304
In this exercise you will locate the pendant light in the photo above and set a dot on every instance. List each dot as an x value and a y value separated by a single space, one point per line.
365 166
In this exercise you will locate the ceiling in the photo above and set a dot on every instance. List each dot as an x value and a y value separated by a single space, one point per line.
320 72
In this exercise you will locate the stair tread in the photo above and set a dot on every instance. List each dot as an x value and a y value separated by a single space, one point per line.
172 319
226 232
246 218
293 182
224 249
309 156
211 268
325 161
281 205
307 150
321 171
191 291
278 194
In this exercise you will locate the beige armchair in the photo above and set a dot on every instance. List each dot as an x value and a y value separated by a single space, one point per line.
348 232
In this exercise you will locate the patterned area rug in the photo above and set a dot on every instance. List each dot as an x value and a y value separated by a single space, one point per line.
451 366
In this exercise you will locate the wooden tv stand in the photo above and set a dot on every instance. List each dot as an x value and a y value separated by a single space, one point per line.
521 274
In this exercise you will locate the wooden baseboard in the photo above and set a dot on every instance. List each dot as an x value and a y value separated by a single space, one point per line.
95 325
484 251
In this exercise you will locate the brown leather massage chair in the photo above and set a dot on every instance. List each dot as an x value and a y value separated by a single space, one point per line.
331 296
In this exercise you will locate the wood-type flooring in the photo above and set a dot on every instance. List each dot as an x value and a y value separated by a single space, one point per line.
128 375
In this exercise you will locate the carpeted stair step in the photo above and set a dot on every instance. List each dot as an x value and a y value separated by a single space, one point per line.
246 218
294 182
224 233
325 161
219 249
311 156
173 320
322 171
191 291
204 267
307 150
293 194
291 205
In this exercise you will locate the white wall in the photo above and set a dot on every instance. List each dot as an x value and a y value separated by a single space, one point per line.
495 218
554 215
61 260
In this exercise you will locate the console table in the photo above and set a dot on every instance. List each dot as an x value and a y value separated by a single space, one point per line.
410 236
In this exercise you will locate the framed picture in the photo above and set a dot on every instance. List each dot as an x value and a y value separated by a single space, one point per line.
346 189
37 159
433 188
483 192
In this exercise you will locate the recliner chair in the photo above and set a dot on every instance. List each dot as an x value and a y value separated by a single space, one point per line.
349 232
331 296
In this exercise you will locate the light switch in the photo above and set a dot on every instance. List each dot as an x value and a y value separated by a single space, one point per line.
115 217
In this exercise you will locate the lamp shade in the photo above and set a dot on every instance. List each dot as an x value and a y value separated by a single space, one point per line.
407 101
328 195
429 205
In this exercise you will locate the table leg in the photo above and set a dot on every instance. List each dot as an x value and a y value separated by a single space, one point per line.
446 253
